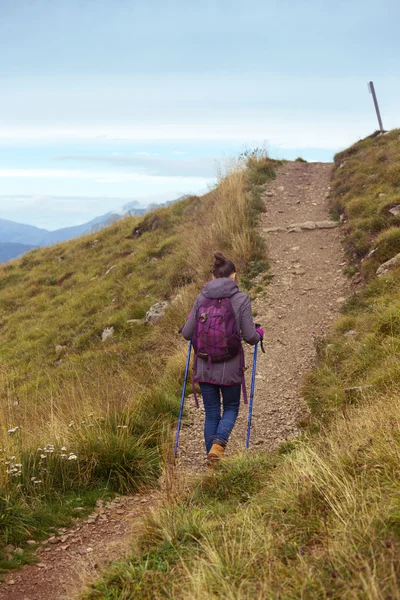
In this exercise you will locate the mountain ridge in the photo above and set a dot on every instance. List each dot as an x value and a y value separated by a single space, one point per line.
30 236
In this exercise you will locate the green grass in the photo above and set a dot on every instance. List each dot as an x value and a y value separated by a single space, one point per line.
37 517
109 404
320 517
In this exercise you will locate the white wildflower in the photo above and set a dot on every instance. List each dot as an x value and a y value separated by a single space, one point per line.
12 430
72 457
63 449
33 478
122 426
63 455
37 481
40 449
43 456
71 424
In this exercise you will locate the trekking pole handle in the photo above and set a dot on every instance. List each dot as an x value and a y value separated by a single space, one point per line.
261 341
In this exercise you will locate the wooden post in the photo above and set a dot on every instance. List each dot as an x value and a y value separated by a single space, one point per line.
378 114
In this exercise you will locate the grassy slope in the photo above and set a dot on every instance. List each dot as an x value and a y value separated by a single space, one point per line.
92 419
321 518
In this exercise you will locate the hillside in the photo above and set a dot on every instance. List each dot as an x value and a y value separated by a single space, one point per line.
316 516
319 517
84 418
28 236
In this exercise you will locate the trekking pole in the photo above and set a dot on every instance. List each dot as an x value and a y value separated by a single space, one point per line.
182 398
253 379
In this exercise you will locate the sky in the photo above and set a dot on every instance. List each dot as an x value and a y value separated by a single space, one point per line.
104 102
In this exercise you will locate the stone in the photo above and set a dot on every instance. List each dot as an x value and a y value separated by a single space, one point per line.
273 229
395 210
389 264
18 551
156 313
341 300
295 230
372 252
327 224
10 548
110 269
31 543
53 540
358 389
309 225
64 547
306 225
11 582
108 332
350 332
269 194
60 350
89 549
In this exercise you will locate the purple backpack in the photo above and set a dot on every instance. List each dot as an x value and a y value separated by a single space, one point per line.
216 338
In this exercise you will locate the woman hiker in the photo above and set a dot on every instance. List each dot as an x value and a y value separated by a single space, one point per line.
220 317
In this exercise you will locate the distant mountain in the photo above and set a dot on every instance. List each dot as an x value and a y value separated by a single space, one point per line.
12 250
19 233
30 236
18 238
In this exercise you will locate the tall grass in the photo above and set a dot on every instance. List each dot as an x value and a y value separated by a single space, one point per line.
320 518
92 415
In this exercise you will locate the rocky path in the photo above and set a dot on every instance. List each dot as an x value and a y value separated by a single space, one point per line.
306 291
72 558
298 304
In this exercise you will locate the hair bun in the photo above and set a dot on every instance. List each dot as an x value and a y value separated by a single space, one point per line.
219 259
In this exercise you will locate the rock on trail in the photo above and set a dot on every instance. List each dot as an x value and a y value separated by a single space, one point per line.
300 302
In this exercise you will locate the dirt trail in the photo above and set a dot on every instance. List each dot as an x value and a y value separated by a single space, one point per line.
305 294
306 291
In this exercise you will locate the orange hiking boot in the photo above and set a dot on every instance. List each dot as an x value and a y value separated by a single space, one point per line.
215 454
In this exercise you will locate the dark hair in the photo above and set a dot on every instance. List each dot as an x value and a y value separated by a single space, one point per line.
222 267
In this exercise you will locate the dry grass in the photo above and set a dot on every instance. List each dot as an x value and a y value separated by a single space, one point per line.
108 403
321 518
325 523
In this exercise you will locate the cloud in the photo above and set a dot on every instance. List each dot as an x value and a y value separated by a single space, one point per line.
152 164
100 176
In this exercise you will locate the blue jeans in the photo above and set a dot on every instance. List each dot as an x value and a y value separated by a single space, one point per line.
217 428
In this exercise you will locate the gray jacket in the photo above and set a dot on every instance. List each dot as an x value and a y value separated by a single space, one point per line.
229 372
